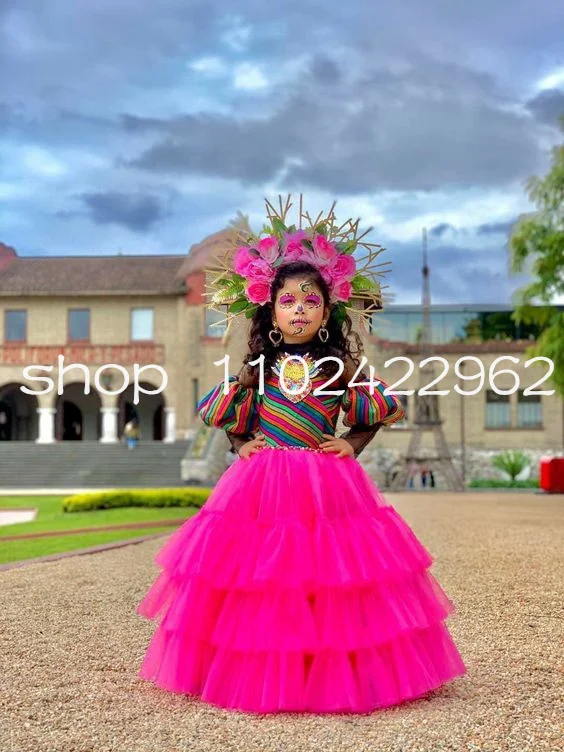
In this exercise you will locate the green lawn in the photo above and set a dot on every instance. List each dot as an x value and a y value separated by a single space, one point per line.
32 547
51 517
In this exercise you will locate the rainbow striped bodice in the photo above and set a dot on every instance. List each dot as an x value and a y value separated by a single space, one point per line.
285 422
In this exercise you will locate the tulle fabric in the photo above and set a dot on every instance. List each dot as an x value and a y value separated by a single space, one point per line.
298 588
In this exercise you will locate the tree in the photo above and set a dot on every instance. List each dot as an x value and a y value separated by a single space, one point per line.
538 239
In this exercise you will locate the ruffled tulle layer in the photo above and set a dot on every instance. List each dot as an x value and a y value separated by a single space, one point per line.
297 588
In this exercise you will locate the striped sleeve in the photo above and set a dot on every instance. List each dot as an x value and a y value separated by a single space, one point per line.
361 407
236 411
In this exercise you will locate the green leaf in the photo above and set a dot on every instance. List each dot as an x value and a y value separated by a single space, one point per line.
279 227
361 283
321 229
250 312
254 252
234 289
292 228
350 247
238 306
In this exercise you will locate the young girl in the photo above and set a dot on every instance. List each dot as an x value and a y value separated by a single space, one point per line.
297 587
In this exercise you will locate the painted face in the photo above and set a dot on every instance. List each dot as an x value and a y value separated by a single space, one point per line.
299 309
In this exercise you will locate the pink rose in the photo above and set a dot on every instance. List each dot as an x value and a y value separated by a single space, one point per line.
325 272
342 290
325 252
294 250
258 292
243 258
260 271
268 248
343 268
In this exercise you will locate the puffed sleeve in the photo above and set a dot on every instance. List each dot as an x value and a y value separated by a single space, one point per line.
236 411
361 407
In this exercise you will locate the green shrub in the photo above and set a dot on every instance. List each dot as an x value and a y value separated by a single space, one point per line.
500 483
511 462
145 497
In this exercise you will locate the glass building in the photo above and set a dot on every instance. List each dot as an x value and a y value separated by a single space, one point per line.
452 323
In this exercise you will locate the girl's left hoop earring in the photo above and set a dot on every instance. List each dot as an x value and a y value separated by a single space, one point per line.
323 333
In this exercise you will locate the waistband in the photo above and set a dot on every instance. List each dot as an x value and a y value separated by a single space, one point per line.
293 448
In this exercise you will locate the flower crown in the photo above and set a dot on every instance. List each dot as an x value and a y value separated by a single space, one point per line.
249 267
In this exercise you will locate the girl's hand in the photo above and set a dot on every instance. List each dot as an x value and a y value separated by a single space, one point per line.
252 446
334 444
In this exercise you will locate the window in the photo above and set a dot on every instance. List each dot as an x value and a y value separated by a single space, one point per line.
142 323
15 326
529 410
213 317
79 324
498 410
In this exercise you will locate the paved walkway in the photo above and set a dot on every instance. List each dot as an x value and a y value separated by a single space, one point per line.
13 516
71 644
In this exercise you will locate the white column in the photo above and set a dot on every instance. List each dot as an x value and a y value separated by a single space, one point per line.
46 425
109 425
170 425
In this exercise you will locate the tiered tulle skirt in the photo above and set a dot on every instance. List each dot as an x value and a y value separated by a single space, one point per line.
298 588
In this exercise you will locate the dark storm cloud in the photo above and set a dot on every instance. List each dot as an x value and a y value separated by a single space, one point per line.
548 106
325 70
439 230
493 228
431 125
457 273
137 212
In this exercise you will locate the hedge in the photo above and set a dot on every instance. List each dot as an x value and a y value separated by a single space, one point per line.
502 483
158 497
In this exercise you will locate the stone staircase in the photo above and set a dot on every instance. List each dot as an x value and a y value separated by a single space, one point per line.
89 464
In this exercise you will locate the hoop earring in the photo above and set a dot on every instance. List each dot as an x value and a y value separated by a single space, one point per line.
323 333
274 332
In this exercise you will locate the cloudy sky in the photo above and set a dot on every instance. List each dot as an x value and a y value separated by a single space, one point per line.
142 127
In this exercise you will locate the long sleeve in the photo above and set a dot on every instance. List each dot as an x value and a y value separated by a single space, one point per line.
360 436
361 407
236 411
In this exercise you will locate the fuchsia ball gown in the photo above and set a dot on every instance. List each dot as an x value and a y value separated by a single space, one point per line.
297 587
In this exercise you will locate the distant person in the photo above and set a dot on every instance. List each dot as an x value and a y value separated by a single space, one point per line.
412 471
3 425
132 433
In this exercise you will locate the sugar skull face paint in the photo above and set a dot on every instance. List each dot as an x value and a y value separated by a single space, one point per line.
299 309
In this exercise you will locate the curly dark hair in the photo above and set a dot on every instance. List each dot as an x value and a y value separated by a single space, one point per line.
340 330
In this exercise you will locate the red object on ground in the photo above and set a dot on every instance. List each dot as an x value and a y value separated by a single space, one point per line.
552 474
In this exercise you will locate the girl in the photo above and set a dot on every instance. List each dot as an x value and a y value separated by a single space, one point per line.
297 587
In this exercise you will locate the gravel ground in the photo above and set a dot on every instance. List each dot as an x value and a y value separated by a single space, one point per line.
70 646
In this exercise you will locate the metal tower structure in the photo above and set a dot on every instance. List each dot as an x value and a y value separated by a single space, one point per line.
427 413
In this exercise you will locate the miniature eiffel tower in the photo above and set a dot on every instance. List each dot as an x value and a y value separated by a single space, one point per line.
427 413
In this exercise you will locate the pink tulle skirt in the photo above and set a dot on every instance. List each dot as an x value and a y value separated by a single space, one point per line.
297 588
